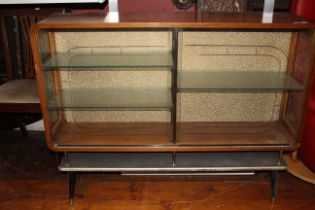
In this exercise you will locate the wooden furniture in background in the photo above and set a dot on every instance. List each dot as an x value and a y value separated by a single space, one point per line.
19 95
19 102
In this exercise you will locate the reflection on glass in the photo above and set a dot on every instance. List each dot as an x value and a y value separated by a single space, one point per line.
112 98
83 60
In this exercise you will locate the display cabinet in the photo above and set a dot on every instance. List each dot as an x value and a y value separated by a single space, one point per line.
190 92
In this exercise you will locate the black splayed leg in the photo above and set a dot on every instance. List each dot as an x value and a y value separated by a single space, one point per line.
274 182
71 177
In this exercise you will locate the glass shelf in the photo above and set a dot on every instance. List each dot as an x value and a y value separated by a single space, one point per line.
262 81
112 99
84 60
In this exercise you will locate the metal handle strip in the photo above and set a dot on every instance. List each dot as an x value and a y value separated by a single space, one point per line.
188 174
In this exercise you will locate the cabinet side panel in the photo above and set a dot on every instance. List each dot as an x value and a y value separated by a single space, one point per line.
301 72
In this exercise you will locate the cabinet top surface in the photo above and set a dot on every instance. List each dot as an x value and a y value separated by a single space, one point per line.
172 20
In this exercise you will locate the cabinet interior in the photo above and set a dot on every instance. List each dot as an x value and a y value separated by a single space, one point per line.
166 88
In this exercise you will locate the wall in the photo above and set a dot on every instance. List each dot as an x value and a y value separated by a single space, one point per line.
148 6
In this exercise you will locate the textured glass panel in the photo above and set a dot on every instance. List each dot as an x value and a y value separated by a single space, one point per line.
264 81
112 98
82 60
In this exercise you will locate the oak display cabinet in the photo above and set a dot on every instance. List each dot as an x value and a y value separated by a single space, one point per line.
173 93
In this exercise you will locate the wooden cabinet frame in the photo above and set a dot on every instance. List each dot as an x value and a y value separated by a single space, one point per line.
298 76
173 23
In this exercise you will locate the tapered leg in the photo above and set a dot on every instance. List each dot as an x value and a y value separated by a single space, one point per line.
274 182
71 179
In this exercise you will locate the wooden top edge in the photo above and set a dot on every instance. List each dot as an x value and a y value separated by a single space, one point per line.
172 20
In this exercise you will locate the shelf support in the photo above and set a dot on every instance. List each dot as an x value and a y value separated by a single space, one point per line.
280 157
174 159
66 159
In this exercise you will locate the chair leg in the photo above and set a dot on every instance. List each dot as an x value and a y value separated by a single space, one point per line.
23 129
22 126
